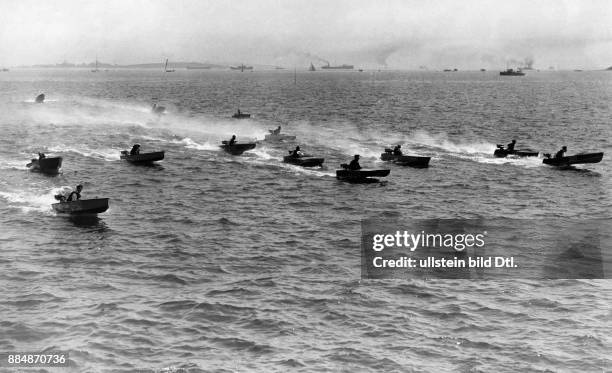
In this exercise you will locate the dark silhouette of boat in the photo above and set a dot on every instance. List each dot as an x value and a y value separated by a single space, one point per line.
512 72
166 69
142 157
304 161
405 160
360 176
242 67
573 159
312 68
240 115
82 206
237 148
40 98
500 152
47 165
158 109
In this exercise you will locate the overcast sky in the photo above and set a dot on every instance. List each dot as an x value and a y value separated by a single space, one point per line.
372 34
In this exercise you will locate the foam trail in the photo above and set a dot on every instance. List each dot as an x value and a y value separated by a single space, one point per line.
190 144
442 142
14 164
30 201
108 154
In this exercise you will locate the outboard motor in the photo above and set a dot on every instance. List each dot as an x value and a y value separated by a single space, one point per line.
344 166
388 151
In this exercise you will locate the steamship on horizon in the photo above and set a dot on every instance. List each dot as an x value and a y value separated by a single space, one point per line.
341 67
512 72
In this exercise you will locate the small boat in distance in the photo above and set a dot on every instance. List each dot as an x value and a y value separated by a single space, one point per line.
82 206
240 115
166 68
304 161
45 165
360 176
312 68
275 135
95 69
236 148
242 67
142 158
155 109
40 98
512 72
573 159
405 160
501 152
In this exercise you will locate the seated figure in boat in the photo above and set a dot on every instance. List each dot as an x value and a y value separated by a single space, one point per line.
135 149
75 195
41 155
233 139
276 131
296 153
510 147
561 153
397 150
354 165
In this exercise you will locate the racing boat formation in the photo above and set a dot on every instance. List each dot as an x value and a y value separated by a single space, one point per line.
352 172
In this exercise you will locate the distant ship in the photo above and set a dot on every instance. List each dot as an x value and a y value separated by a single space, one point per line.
312 68
5 69
341 67
512 72
242 67
166 68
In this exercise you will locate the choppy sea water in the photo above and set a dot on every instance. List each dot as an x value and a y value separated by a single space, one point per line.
209 262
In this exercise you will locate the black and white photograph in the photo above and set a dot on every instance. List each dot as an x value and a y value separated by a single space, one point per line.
196 186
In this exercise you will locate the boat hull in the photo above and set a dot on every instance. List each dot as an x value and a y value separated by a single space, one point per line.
82 206
304 161
143 157
361 176
49 165
502 153
238 149
406 160
574 159
241 116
